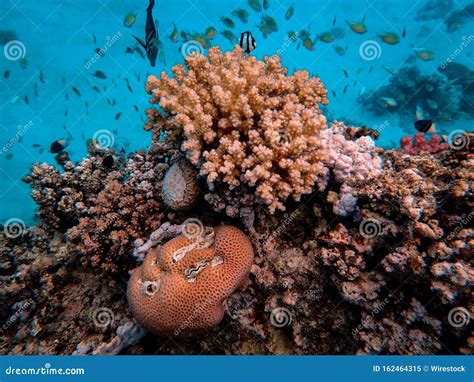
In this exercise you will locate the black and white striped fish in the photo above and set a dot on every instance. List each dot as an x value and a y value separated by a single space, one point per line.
247 42
151 35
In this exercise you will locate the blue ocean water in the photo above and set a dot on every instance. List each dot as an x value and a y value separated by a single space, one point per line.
58 43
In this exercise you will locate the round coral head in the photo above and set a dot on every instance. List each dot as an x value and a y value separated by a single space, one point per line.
181 287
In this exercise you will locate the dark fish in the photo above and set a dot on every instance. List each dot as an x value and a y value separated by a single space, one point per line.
94 40
228 22
108 101
135 107
113 102
41 77
425 126
87 108
266 4
76 91
334 20
346 73
128 85
247 42
371 68
9 156
6 74
7 35
289 13
151 35
100 74
100 52
345 89
404 33
333 93
26 99
96 89
35 145
117 116
137 76
109 161
58 146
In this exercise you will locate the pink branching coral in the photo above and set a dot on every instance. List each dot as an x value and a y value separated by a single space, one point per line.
421 144
245 121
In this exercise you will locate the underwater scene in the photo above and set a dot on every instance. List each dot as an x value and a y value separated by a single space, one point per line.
248 177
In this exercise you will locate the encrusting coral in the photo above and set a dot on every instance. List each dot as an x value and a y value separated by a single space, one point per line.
181 287
245 122
180 190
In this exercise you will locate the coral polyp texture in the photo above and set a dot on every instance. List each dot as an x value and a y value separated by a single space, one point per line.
180 190
181 287
245 122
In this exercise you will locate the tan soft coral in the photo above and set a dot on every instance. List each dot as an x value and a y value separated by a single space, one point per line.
181 287
245 121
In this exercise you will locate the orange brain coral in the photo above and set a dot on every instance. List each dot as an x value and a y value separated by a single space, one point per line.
181 286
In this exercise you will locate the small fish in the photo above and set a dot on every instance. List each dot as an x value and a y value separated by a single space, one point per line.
14 99
292 36
390 38
23 63
128 85
129 20
185 36
228 22
205 43
35 145
255 5
41 77
151 36
346 73
117 116
267 25
135 107
174 34
432 104
229 36
389 101
340 50
404 33
87 108
137 76
9 156
345 89
113 102
96 89
289 13
326 37
100 52
108 101
266 4
94 39
241 14
58 146
26 99
333 93
65 113
371 68
76 91
210 33
425 126
99 74
247 42
334 20
357 27
6 74
308 44
424 54
109 160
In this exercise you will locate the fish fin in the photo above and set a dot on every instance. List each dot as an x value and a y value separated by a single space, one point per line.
140 41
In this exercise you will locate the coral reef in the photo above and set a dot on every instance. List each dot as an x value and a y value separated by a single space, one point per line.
181 287
420 144
245 122
180 190
439 96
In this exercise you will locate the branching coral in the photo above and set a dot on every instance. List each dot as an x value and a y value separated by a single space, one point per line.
244 121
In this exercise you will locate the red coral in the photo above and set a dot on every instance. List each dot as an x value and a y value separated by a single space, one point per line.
420 145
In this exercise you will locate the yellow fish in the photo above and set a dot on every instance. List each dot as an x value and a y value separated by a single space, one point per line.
129 19
358 27
424 54
390 38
